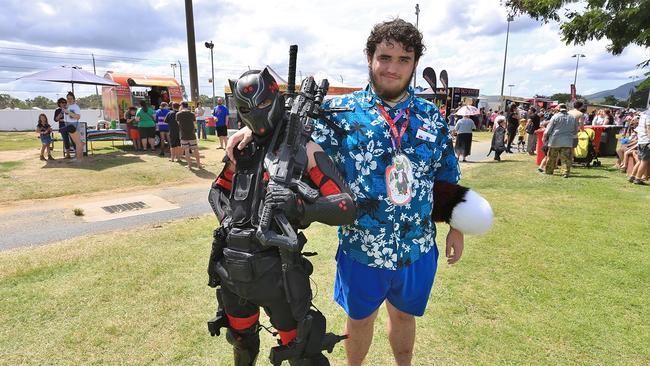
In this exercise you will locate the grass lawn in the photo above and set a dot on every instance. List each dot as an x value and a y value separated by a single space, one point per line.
19 141
562 279
482 136
23 176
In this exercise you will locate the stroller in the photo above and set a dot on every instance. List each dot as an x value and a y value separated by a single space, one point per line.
585 152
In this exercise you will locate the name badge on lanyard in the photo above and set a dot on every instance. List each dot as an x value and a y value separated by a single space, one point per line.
399 175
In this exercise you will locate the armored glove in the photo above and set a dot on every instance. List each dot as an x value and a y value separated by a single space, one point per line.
285 200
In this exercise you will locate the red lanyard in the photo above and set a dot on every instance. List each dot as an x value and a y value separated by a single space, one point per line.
396 138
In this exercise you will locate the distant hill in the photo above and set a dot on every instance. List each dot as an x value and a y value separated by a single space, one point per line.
622 92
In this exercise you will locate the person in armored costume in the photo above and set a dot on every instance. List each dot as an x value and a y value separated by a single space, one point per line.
251 264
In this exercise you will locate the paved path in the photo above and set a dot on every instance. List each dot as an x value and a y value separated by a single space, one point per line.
36 225
39 224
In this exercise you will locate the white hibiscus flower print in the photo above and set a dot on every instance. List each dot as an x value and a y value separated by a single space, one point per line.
386 258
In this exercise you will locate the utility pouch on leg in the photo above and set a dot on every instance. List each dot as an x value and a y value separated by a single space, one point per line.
218 245
239 265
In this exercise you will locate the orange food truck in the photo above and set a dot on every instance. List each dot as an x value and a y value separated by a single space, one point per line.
133 88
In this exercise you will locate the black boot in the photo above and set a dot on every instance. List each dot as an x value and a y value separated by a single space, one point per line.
246 345
319 360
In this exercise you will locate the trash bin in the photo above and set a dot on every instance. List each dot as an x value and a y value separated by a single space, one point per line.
597 137
608 141
540 152
211 125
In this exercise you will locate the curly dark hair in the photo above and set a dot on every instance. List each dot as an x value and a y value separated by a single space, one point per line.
397 30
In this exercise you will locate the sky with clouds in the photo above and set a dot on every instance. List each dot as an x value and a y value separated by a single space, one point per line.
466 38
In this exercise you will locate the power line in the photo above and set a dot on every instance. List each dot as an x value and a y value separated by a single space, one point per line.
98 57
18 67
88 54
32 91
42 56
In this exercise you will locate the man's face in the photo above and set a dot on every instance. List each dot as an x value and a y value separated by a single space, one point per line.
391 68
219 101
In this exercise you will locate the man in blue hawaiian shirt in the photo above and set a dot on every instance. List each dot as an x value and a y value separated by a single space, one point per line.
391 149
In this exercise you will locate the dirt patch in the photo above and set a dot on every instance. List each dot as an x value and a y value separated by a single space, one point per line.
107 174
14 155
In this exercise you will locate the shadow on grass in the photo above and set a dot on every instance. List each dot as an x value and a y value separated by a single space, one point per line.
201 173
204 174
97 162
571 176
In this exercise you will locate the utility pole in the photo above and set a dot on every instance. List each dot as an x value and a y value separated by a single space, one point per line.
96 89
191 51
505 57
180 70
417 20
575 77
210 45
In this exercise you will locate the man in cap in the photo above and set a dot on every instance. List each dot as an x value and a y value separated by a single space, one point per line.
559 135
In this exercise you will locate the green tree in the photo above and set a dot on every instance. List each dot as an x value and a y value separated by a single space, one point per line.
639 98
205 100
92 101
622 22
41 102
565 97
7 101
612 100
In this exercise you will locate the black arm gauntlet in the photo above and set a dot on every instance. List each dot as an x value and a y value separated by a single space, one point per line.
335 210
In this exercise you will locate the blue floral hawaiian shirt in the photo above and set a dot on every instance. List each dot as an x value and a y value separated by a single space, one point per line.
386 235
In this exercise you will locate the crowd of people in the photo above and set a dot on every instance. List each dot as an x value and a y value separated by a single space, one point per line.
178 128
562 126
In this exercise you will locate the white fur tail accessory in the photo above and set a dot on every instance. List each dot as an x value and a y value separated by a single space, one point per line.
472 216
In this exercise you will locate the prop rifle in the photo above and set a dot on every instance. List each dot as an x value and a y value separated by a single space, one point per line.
285 168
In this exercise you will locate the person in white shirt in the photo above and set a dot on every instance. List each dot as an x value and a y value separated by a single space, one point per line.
599 120
71 117
463 131
640 170
200 121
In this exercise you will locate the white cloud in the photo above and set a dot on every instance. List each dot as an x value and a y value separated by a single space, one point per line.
47 9
462 36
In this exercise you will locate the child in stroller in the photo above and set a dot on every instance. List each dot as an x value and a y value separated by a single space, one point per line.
585 153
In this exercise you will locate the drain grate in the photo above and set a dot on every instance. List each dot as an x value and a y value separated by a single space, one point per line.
125 207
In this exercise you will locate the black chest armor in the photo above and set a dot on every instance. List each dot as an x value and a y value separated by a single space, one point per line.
247 194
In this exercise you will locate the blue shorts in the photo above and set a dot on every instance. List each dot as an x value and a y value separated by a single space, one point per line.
360 289
46 139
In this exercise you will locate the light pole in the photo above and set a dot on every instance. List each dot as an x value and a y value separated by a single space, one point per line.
510 92
575 77
174 69
505 57
210 45
180 71
633 90
417 19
